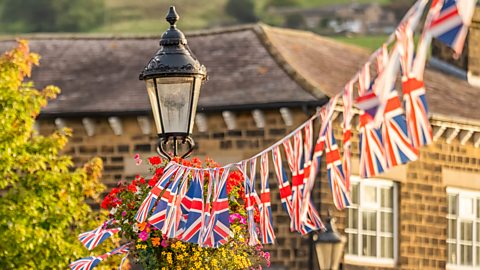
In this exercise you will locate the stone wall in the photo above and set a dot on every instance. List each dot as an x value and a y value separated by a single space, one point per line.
421 185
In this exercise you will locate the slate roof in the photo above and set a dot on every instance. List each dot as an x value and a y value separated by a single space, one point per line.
249 66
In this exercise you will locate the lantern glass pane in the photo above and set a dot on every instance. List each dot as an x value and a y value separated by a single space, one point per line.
324 254
174 95
153 102
197 84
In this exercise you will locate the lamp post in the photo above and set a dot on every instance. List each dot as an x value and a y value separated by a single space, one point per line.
329 246
173 77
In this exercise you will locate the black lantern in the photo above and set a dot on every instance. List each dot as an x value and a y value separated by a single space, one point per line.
173 77
329 246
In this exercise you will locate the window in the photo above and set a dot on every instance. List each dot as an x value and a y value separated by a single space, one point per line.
371 227
463 234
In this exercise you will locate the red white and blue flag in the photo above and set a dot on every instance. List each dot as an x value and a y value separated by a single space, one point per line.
295 162
89 263
283 183
372 152
336 177
418 125
398 147
347 132
160 213
217 228
174 210
250 199
86 263
309 217
93 238
451 24
149 202
266 228
192 209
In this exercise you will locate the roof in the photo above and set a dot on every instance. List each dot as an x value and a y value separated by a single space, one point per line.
249 66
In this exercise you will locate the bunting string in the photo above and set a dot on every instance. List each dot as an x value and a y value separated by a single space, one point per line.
391 133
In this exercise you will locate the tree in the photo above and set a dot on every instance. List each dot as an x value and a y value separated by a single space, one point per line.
242 10
42 207
51 15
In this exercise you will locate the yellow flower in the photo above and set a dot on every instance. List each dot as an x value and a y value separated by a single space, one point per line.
169 258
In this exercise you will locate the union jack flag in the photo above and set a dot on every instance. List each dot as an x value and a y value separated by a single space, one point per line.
192 205
347 131
160 213
418 125
87 263
152 196
213 175
309 217
250 196
93 238
416 109
336 177
372 152
283 184
266 227
398 148
218 227
451 24
295 160
174 211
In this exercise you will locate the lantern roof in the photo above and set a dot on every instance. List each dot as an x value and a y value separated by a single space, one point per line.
174 57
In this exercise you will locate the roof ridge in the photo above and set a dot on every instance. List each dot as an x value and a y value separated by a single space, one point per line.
107 36
261 30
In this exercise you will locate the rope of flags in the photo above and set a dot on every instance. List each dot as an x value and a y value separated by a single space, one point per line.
391 133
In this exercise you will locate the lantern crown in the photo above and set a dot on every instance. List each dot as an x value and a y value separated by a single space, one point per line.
174 57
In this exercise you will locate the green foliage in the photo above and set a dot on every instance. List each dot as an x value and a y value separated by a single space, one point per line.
51 15
242 10
42 207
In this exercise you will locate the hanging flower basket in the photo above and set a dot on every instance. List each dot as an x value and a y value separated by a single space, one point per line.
154 250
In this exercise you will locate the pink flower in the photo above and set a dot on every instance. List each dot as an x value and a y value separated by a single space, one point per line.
143 235
164 243
124 213
266 255
138 160
237 216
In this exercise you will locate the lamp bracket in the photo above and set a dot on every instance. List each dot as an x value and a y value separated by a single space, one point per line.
164 141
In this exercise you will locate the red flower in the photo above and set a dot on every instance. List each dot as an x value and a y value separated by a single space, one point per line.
106 202
152 182
142 181
156 160
197 163
256 214
132 187
159 172
115 191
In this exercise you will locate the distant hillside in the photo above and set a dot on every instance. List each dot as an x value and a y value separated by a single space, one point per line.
147 16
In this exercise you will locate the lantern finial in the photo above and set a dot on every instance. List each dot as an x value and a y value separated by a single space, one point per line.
172 16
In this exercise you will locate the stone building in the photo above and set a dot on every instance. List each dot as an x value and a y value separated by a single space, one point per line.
263 82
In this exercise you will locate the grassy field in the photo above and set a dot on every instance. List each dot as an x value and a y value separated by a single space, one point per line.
370 42
148 16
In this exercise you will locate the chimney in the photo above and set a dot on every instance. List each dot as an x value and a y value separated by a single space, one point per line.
473 70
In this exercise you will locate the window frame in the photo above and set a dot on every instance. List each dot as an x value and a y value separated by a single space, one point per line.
474 218
361 206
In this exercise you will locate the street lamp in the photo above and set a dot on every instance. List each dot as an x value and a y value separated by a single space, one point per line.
173 78
329 246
